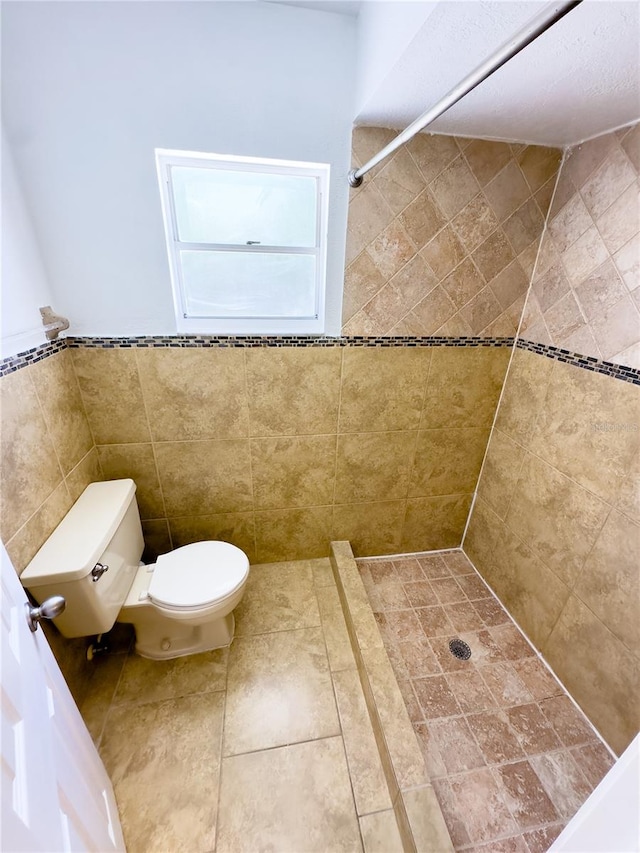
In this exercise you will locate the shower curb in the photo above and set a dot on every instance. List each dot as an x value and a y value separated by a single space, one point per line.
418 815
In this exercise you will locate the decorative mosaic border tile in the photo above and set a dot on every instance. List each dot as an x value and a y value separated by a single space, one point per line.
587 362
24 359
31 356
178 341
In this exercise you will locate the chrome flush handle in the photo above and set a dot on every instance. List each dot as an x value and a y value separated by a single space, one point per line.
98 570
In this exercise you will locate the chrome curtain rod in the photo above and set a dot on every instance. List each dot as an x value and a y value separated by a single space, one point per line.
541 23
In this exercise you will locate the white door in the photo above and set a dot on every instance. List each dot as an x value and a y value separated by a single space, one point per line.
56 795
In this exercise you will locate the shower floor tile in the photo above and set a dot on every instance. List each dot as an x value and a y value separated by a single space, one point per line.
510 757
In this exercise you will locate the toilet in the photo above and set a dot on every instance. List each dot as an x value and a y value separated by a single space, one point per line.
180 605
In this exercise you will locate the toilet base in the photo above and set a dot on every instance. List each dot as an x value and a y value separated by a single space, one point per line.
157 642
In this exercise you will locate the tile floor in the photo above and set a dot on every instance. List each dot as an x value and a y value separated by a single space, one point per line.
263 746
510 757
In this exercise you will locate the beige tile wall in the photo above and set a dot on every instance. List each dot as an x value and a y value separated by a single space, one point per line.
281 450
556 530
586 291
48 457
48 454
442 237
556 525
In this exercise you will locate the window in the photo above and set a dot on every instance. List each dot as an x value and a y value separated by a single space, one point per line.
247 242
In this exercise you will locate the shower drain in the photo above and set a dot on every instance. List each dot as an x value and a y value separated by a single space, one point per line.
459 649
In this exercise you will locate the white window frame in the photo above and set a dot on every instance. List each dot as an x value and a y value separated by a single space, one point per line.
313 325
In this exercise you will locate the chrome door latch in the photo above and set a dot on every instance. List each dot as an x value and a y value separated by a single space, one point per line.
49 609
98 570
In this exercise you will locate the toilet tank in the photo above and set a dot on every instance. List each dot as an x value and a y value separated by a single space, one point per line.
103 526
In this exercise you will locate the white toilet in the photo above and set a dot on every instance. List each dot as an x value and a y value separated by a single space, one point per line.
180 605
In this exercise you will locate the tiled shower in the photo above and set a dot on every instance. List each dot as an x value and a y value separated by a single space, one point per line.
383 437
509 756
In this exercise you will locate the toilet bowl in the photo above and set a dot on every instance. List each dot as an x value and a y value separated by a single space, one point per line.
180 605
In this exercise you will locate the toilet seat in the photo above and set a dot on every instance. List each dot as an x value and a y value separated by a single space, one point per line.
195 576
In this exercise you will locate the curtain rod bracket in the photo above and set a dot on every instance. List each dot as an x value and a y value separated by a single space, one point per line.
354 180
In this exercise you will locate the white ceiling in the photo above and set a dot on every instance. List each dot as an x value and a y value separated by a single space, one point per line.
577 80
339 7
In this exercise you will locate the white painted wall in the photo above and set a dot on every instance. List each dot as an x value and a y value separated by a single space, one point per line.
25 287
385 30
91 89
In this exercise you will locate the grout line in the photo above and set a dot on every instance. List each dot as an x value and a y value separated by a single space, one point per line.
558 470
511 806
350 771
449 223
561 748
163 699
569 586
250 438
282 746
112 703
34 513
221 754
616 145
538 654
338 433
519 834
153 446
502 709
517 480
406 556
513 350
425 391
82 400
63 476
415 162
279 630
80 461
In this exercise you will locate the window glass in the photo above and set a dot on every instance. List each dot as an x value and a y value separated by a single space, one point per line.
237 284
247 242
238 208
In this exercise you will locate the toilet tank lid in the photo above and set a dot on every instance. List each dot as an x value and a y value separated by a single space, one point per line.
82 536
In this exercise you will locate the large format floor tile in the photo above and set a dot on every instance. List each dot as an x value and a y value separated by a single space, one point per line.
145 680
279 691
99 696
287 800
299 757
380 833
278 597
146 751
